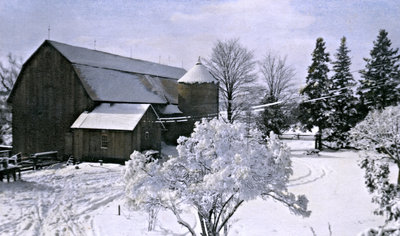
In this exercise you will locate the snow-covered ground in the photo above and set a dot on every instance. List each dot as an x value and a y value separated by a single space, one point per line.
68 201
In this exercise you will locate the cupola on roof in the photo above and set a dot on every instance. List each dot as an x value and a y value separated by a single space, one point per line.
197 74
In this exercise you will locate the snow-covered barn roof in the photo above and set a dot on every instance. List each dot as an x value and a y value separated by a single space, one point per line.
112 78
84 56
116 86
197 74
108 116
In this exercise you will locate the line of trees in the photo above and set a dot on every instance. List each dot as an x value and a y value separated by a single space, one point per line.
342 106
364 115
235 67
368 121
345 105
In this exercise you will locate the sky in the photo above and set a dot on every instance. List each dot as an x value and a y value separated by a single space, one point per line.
177 32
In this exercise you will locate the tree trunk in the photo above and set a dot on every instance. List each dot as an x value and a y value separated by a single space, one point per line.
318 139
210 229
225 230
398 173
203 228
229 110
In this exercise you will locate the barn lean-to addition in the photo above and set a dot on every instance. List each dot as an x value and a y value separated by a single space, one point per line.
96 105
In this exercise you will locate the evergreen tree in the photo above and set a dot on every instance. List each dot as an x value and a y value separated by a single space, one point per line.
316 113
278 77
274 118
343 104
380 78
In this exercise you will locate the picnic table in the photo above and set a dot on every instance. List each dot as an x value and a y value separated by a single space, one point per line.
11 166
8 170
43 159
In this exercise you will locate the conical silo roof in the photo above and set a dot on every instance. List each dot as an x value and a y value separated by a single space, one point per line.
197 74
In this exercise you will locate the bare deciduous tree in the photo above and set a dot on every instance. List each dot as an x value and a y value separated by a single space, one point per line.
8 75
277 75
9 72
233 66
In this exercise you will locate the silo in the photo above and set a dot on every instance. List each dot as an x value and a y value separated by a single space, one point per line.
198 93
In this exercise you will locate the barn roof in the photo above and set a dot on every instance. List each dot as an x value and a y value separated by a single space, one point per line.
85 56
112 78
109 116
116 86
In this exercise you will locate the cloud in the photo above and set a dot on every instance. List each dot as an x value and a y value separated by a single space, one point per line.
180 31
243 16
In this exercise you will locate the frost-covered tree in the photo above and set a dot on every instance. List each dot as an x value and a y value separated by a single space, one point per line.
343 102
8 75
233 66
278 77
316 113
9 72
379 136
379 133
380 79
385 194
219 167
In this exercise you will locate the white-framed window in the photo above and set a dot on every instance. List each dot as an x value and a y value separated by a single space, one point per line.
104 141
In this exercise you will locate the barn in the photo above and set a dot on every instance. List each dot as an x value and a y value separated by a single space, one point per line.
97 105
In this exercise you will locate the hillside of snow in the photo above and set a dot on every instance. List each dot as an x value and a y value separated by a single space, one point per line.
63 200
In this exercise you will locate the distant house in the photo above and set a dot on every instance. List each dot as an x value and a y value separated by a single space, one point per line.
96 105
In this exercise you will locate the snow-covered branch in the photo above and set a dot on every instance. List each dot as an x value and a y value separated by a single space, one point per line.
379 136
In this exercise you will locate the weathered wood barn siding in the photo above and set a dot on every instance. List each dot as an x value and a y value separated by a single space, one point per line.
198 99
47 99
121 143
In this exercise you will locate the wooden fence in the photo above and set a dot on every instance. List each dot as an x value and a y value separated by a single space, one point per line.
311 137
11 166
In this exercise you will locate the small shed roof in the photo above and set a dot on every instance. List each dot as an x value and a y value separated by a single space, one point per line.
109 116
197 74
170 109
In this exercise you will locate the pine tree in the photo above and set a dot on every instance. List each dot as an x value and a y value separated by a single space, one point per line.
316 113
278 77
380 78
274 118
343 104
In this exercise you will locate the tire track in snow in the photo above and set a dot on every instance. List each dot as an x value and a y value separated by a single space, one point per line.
60 202
313 174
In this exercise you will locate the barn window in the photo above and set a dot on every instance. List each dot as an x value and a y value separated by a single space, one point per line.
104 141
147 135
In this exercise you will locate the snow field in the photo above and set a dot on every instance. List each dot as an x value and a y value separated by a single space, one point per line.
57 201
68 201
